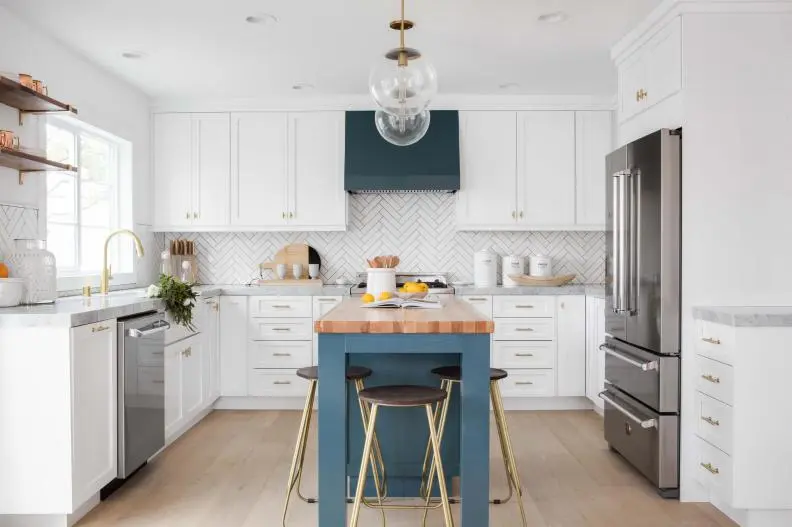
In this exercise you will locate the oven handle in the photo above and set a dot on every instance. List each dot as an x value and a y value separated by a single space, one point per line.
648 423
645 366
155 327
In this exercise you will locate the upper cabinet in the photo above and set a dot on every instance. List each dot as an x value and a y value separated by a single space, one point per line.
191 170
536 170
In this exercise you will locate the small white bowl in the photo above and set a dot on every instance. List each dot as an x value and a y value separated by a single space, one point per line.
408 296
11 291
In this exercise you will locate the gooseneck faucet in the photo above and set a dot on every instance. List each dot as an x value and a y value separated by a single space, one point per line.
106 270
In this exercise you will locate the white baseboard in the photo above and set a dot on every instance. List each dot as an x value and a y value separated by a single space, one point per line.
547 403
50 520
186 426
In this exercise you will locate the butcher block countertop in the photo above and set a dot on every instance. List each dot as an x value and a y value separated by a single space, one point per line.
456 316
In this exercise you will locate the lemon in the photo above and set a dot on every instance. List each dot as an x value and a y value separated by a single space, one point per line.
367 298
385 295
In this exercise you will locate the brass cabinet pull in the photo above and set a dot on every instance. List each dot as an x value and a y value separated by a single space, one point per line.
523 383
326 300
97 329
514 214
477 299
186 215
710 468
711 378
281 306
281 382
195 215
637 96
281 329
523 354
523 329
710 340
291 215
281 354
283 215
521 214
187 352
525 306
711 421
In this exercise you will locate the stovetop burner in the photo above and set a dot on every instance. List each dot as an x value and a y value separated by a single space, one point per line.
437 282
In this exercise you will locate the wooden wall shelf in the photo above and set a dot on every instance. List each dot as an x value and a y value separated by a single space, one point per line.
29 101
24 163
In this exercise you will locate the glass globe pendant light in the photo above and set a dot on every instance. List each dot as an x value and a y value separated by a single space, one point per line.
402 130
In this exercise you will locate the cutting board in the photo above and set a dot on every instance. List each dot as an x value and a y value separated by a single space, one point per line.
295 253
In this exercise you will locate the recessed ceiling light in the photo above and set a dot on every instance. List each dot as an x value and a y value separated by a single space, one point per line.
553 18
303 86
508 86
264 19
133 55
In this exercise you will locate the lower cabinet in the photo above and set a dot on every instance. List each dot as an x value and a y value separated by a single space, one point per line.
321 306
184 390
571 342
209 325
595 359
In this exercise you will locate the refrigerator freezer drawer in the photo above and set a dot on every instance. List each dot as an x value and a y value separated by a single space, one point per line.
652 379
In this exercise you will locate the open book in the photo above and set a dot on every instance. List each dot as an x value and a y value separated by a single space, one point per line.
422 303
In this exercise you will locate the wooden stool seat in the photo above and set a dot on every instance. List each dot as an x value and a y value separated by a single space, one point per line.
454 373
402 395
311 373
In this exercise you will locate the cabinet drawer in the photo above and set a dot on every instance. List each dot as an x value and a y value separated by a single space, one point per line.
523 306
289 354
523 355
714 378
524 329
482 303
715 341
280 306
323 304
713 469
529 383
281 329
276 383
714 422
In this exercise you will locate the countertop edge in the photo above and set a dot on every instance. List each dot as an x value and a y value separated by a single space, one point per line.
738 316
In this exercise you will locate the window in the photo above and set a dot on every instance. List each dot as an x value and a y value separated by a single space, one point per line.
83 208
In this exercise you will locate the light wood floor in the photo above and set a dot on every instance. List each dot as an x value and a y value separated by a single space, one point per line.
230 471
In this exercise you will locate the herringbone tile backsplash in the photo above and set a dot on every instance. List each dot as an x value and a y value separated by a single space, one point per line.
16 223
417 227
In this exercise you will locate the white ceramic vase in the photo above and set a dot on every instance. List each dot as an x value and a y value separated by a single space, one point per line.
32 261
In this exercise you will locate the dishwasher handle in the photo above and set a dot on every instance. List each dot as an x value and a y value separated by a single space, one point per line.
158 326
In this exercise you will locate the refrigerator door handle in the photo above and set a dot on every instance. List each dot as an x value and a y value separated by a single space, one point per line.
632 181
616 280
621 242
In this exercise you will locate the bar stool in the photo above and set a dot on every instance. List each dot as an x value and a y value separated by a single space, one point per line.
355 374
402 396
449 376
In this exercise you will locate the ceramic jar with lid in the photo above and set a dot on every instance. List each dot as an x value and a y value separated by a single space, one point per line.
36 265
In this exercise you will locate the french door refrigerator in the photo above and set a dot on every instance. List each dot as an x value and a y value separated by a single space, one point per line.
642 320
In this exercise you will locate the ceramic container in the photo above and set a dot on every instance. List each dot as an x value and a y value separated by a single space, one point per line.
32 261
11 291
512 264
540 265
380 280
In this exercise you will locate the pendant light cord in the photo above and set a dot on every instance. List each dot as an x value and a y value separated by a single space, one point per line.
401 29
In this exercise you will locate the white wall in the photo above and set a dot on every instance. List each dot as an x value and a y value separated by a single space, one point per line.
103 101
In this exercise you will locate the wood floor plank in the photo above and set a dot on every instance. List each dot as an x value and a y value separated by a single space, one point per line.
230 470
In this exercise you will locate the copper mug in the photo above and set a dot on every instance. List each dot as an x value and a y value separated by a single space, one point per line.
8 139
39 87
26 80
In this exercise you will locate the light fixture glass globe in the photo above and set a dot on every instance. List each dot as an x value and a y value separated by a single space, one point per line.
402 130
406 89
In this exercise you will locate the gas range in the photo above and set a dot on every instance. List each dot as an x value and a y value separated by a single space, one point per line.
437 282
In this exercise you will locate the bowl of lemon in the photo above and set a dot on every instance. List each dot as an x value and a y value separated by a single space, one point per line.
412 290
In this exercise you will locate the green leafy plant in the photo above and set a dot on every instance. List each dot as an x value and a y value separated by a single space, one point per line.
178 296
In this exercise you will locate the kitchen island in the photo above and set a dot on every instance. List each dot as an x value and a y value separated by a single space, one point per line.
349 332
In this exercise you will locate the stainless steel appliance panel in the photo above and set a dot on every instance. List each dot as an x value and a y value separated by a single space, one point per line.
648 440
643 238
141 390
650 378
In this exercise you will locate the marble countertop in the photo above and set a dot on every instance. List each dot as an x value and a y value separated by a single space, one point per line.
746 316
596 290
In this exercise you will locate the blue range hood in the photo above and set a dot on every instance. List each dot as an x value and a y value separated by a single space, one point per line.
374 165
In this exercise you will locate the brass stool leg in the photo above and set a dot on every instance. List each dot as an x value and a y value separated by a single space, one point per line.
441 416
438 463
364 461
506 447
427 455
378 469
295 472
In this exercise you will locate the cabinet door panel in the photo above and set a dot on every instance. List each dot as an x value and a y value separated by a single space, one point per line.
632 79
664 64
192 376
546 168
233 345
316 170
173 170
488 150
593 141
212 178
571 340
173 389
258 168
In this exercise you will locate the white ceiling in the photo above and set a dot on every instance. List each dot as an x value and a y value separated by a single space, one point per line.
203 48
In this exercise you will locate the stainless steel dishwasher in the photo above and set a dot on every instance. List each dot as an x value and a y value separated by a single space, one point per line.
141 390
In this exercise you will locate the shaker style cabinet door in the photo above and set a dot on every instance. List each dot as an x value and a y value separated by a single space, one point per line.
487 149
546 168
211 166
233 345
259 169
571 338
173 161
593 142
316 170
192 375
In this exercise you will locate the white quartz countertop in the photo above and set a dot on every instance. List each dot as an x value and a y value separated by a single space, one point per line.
746 316
596 290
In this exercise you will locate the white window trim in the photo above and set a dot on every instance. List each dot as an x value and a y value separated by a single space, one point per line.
75 281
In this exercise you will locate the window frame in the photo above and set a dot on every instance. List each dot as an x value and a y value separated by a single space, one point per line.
74 278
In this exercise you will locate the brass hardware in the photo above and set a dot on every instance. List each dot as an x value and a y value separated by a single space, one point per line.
86 290
710 340
195 215
523 354
280 306
281 382
97 329
186 215
521 214
291 215
523 329
641 94
477 299
216 306
281 354
514 215
637 96
711 378
397 25
187 352
710 468
711 421
106 271
524 306
281 329
283 215
326 300
523 383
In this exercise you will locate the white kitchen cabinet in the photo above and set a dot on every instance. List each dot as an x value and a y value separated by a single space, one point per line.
184 393
595 358
546 168
482 303
259 168
192 170
316 196
233 345
571 345
210 330
593 142
488 164
94 396
174 415
321 306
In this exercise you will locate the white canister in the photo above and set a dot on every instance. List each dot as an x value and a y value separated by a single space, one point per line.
485 268
512 264
540 265
380 280
32 261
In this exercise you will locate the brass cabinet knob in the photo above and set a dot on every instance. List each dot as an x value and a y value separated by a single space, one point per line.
521 214
514 214
195 215
291 215
638 96
186 215
283 215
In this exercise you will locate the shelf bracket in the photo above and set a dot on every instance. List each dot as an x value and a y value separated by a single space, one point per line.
69 109
22 175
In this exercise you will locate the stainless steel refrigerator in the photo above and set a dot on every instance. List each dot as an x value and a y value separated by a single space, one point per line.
642 320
